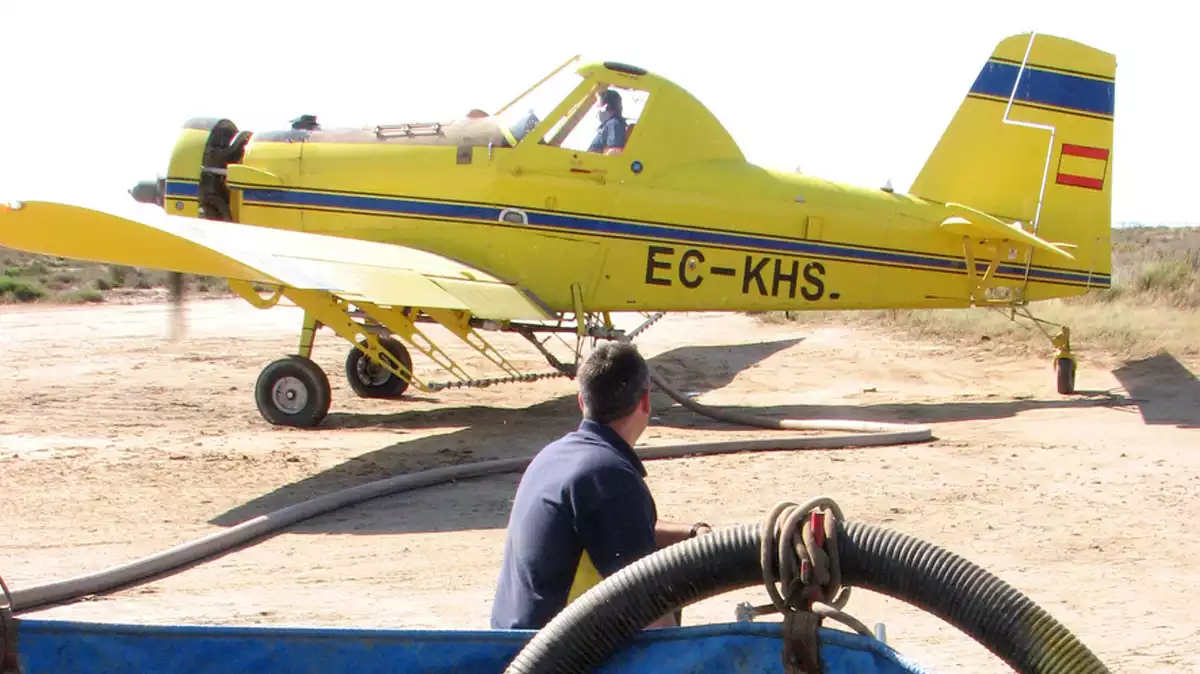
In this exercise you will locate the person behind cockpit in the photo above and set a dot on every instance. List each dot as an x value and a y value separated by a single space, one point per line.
611 134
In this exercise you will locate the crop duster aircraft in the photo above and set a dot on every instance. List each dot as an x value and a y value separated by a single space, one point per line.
507 222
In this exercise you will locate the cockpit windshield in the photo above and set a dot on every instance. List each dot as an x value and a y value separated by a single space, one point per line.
528 111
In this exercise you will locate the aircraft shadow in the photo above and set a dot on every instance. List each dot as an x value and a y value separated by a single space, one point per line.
489 433
1164 390
916 413
1161 388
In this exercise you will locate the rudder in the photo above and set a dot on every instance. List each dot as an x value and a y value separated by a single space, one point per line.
1040 152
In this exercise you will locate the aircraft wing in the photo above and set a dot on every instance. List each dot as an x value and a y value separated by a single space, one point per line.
381 273
975 223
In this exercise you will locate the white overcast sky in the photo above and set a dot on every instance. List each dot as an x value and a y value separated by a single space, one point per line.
94 94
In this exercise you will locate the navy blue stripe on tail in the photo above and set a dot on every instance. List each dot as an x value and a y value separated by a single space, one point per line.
1046 87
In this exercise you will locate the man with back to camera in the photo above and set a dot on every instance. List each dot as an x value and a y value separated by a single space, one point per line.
582 510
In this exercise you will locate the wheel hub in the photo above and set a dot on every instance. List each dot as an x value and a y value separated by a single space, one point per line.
371 373
289 395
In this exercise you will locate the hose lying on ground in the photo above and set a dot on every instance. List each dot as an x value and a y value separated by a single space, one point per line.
591 629
880 432
186 554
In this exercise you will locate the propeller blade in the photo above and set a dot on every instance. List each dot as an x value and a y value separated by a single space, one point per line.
178 324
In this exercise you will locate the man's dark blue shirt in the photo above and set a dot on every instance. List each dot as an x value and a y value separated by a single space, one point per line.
583 493
611 134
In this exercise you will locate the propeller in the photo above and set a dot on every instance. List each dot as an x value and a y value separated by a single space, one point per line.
177 288
153 192
225 144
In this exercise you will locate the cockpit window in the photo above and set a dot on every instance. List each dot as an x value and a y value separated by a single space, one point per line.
528 111
580 128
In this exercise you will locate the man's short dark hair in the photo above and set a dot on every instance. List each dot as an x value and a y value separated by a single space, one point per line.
611 99
612 381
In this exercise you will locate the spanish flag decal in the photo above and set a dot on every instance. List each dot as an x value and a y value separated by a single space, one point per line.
1082 166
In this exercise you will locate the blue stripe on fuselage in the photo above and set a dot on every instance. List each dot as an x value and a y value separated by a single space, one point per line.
590 225
178 188
1046 87
599 226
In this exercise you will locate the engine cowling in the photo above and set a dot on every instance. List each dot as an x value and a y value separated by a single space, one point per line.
195 183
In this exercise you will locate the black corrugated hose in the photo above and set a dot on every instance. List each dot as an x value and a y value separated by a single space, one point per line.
588 631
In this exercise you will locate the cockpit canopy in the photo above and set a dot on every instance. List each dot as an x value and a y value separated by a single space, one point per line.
580 94
562 111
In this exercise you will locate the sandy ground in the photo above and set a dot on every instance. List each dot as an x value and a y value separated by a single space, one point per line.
115 443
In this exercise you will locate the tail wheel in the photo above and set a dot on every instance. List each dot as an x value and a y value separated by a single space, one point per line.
293 391
1065 369
370 379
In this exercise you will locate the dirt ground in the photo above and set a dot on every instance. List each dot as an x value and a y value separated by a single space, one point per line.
115 443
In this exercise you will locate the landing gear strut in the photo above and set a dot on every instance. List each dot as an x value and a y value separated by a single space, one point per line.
294 391
1064 362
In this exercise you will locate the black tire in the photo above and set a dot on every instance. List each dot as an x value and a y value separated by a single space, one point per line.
1065 370
293 391
368 379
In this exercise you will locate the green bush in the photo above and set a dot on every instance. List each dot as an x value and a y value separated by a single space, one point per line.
21 289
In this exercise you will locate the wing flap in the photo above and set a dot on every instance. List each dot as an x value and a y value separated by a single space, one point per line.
385 274
492 301
385 287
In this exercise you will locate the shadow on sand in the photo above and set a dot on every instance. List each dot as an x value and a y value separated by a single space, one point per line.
486 433
1164 390
913 413
483 433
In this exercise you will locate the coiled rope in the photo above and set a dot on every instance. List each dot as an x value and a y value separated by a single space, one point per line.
802 542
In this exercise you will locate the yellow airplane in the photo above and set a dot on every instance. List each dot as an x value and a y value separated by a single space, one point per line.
518 221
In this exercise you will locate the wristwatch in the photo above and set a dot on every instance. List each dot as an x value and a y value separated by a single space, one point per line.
695 530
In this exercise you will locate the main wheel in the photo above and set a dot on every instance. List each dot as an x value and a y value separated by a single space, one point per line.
370 379
293 391
1065 370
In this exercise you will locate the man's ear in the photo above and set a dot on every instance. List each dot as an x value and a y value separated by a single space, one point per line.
579 399
646 401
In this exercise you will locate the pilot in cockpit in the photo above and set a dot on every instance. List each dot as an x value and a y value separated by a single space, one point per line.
610 137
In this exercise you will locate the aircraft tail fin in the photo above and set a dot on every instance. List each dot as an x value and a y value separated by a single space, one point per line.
1032 143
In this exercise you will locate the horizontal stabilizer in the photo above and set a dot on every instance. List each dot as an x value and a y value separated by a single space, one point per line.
989 228
384 274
